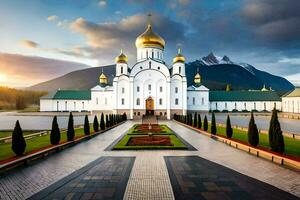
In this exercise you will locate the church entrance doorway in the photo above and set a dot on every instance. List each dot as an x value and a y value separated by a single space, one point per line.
149 106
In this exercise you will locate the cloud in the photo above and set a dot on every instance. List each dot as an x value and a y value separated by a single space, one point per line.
29 44
24 71
52 18
102 3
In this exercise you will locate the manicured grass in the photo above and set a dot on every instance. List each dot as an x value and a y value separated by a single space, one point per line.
122 144
292 146
36 143
9 133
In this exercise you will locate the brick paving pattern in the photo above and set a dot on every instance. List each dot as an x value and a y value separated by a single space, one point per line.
149 179
193 177
105 178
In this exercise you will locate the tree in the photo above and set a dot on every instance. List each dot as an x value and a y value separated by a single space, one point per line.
18 143
276 139
20 102
253 137
96 124
86 125
124 117
102 123
195 120
213 128
199 122
55 132
228 127
106 121
70 131
205 124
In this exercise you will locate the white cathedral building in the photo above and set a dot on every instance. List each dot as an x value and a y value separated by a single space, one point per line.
151 87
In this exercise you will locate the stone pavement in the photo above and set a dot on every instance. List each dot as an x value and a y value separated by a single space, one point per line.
148 166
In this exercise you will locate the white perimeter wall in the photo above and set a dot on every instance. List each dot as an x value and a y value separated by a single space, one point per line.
291 104
247 105
64 105
198 100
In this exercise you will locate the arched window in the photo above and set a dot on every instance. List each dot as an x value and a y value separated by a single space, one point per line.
138 102
194 100
202 101
176 101
57 106
176 90
82 105
179 70
147 54
122 70
157 54
160 101
149 65
138 88
152 54
264 106
122 101
226 106
234 105
66 105
97 100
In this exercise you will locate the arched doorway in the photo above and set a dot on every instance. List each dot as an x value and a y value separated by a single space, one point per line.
149 106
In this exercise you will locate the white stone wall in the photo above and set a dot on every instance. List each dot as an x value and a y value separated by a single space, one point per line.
245 105
178 68
291 104
62 105
198 100
102 100
122 95
178 98
121 68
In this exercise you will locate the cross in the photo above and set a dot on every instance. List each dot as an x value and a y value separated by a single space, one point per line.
149 18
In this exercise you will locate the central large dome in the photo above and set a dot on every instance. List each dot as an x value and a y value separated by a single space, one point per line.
149 39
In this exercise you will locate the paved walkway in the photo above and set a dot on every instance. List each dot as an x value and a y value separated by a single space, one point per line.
148 166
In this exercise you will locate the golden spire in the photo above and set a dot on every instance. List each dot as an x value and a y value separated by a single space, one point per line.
197 79
102 78
264 89
122 58
179 57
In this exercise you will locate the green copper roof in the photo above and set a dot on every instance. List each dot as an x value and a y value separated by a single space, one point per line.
243 96
294 93
73 94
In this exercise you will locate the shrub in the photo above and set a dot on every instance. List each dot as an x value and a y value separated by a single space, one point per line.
70 131
224 111
96 124
195 120
275 134
86 125
228 127
18 143
55 132
213 128
253 136
199 122
234 110
102 123
205 124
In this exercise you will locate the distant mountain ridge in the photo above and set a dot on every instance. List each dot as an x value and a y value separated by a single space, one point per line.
216 73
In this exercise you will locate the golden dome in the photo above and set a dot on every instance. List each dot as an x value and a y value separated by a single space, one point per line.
122 58
264 89
179 57
149 39
197 79
102 79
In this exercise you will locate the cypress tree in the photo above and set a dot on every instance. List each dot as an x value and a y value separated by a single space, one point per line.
124 117
70 131
191 120
253 136
195 120
86 125
18 143
186 119
106 121
213 128
205 124
276 139
229 131
102 123
55 132
96 124
199 126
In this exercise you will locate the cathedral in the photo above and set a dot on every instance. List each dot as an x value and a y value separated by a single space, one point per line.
151 87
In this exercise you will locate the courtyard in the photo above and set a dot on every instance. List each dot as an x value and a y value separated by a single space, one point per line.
90 171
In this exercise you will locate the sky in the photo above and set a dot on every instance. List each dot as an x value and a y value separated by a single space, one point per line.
43 39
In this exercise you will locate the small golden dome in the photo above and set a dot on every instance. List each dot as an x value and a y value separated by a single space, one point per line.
179 57
122 58
102 79
264 89
197 79
149 39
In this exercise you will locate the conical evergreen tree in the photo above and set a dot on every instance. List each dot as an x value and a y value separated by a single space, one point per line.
102 123
195 120
55 132
86 125
18 143
70 131
213 128
96 124
199 126
228 127
124 117
205 124
276 139
253 136
106 121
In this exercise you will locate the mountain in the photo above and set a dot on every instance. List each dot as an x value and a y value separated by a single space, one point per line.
216 73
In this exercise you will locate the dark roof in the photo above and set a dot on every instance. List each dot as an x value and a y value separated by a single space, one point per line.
243 96
69 94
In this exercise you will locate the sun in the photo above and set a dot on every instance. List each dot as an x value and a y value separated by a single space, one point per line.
2 77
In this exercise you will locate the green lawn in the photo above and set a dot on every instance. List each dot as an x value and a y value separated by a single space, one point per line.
292 146
35 143
9 133
132 132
